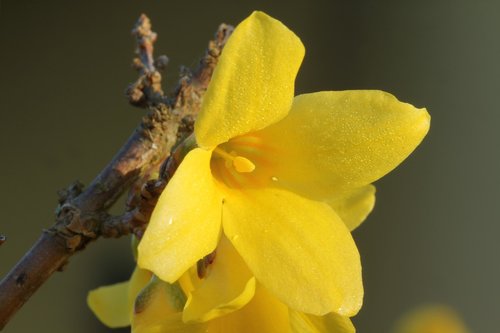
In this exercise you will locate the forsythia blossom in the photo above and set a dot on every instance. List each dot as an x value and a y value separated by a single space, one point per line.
271 170
164 308
269 196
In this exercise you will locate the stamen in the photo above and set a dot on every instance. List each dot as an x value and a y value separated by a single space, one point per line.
224 154
240 163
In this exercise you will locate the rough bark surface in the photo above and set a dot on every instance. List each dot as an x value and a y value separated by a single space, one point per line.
81 216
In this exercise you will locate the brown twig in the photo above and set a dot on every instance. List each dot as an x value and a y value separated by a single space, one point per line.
141 207
135 220
82 213
147 90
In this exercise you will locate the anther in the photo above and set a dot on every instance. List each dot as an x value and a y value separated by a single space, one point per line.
240 163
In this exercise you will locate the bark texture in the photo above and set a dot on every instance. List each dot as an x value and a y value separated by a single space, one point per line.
82 216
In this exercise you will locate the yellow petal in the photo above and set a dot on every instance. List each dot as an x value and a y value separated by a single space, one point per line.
114 304
228 286
338 140
299 249
110 304
354 206
305 323
169 323
157 302
264 314
185 224
253 83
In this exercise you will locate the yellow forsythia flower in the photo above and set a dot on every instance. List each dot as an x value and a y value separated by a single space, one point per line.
431 319
210 307
280 176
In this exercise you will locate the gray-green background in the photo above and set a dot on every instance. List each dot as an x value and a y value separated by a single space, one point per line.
433 236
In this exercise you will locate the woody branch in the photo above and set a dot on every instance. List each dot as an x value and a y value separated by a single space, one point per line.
81 216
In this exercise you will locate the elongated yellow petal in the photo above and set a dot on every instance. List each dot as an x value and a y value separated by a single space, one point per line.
297 248
169 323
228 286
334 141
354 206
253 83
110 304
264 314
330 323
186 222
113 304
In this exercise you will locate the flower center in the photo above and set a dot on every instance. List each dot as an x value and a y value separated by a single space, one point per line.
243 161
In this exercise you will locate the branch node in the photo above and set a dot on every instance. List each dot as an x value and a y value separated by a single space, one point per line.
76 228
71 192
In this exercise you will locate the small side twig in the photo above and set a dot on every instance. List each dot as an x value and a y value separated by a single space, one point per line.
135 220
190 84
147 90
82 213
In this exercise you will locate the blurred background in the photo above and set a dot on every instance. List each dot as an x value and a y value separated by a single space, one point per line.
433 236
